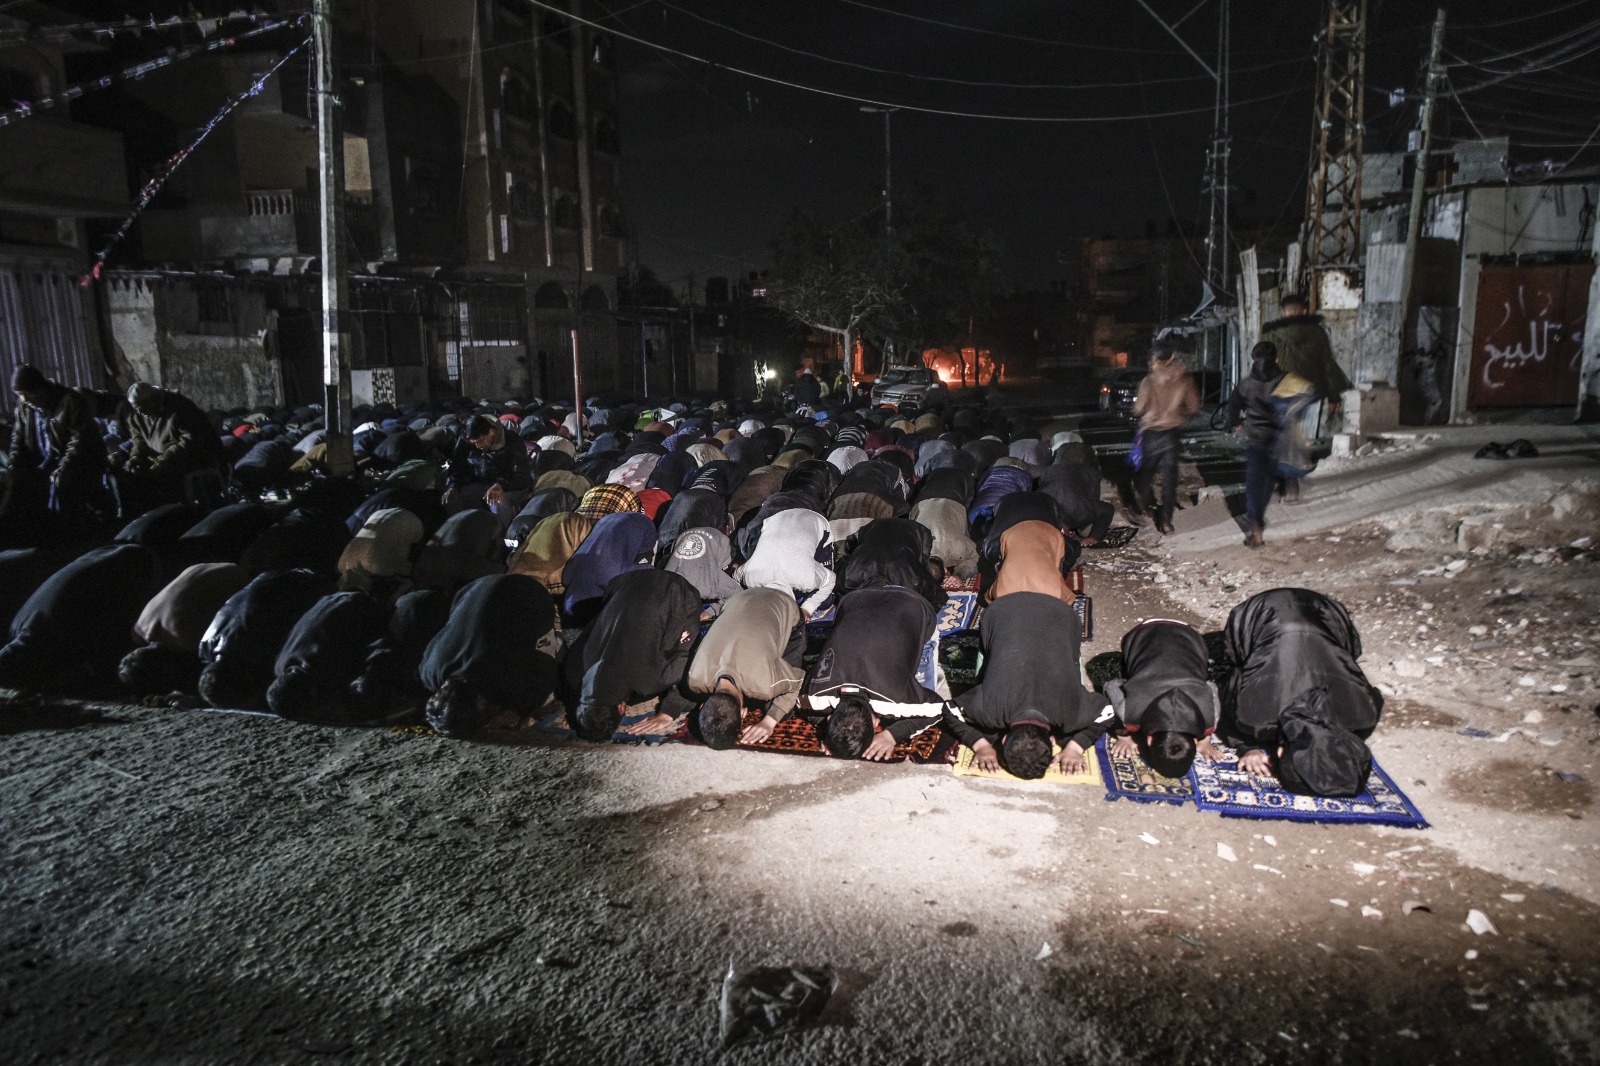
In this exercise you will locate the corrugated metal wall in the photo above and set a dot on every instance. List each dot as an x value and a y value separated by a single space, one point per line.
43 315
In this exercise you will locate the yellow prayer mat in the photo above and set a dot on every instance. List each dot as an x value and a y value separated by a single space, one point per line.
1089 775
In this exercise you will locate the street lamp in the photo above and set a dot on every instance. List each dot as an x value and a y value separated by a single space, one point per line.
888 174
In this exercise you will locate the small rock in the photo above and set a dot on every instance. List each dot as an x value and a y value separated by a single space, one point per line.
1411 905
1225 852
1409 668
1455 566
1472 953
1044 953
1527 681
1371 912
1363 868
1340 902
1148 839
710 805
1478 631
1533 717
1513 897
1479 923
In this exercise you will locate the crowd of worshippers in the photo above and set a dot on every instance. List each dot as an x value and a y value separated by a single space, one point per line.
492 564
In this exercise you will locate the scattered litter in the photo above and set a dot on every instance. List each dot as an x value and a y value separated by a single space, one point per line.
1271 840
771 1000
1558 687
1527 681
1455 566
1269 869
1151 910
1569 778
1472 953
1513 897
1044 953
1478 1006
1363 947
1191 941
1285 1036
1225 852
1325 948
1409 668
1363 868
1148 839
1533 717
710 805
1371 912
1474 731
1478 631
1479 923
1413 905
1340 902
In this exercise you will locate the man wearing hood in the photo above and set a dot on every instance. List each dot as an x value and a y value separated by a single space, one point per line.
1166 401
1296 703
58 459
1304 350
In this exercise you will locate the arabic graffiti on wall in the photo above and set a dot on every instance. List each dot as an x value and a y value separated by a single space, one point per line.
1528 339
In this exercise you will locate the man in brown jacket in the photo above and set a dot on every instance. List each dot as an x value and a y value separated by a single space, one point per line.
1167 400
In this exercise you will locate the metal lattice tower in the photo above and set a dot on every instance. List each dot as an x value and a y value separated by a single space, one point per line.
1333 202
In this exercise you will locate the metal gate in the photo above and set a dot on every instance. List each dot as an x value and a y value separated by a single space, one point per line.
1527 340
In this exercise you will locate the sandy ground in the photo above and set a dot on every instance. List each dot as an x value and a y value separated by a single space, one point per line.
185 887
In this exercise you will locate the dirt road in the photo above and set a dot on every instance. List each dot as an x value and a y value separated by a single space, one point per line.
198 887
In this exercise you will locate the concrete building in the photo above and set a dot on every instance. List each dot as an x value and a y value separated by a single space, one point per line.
482 217
55 175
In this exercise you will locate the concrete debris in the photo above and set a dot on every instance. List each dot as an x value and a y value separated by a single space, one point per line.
1479 923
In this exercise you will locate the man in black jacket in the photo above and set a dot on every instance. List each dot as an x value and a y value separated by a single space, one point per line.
489 468
865 681
1163 701
489 662
1296 702
58 459
1031 690
1250 406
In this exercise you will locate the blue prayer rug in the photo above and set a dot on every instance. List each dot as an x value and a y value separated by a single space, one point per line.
1128 777
1222 787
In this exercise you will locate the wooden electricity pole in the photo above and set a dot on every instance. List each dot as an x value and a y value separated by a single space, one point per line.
1419 186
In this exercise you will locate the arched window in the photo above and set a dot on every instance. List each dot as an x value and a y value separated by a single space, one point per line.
564 212
605 135
562 122
550 297
516 97
611 221
522 197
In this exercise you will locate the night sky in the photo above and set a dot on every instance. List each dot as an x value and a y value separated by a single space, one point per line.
712 159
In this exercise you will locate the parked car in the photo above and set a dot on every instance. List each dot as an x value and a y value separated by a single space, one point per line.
1120 390
902 386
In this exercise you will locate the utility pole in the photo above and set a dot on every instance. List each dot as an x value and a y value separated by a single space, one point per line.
1419 186
693 352
1333 196
335 287
577 389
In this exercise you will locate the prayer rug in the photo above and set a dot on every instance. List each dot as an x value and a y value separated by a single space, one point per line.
797 736
1224 788
1128 777
1089 775
1116 537
554 726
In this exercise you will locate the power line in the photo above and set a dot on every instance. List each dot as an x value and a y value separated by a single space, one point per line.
958 81
1547 43
858 99
1523 18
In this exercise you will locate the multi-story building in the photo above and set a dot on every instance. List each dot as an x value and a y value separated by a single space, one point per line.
55 175
482 223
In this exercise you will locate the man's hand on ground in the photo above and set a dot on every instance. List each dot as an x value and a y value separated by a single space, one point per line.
1071 758
654 726
985 757
881 748
1125 746
1255 762
1207 750
755 734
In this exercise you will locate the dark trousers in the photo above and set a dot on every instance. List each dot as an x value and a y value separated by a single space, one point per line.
1260 478
1160 457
